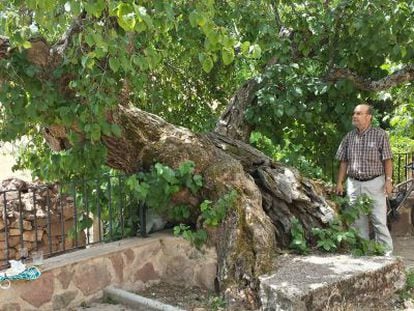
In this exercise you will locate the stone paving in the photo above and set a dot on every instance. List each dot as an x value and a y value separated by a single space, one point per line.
404 247
103 307
403 235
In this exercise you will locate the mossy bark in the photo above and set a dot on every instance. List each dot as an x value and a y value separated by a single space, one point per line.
268 194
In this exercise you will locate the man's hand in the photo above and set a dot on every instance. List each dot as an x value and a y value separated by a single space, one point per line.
339 189
388 187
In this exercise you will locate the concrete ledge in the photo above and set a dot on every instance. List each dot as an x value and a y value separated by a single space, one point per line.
81 276
327 282
137 302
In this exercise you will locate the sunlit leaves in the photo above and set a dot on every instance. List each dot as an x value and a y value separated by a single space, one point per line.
254 51
197 19
126 16
95 7
228 55
206 61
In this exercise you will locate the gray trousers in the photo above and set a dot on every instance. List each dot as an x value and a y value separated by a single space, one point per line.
375 190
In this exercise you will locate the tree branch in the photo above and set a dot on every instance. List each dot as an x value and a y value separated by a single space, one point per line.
56 50
278 20
401 76
232 122
4 47
60 46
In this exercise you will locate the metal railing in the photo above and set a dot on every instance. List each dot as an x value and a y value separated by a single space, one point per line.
400 161
63 217
400 173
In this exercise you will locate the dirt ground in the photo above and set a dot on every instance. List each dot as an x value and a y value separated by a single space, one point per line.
192 299
184 298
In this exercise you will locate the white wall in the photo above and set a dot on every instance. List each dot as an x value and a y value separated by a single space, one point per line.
8 153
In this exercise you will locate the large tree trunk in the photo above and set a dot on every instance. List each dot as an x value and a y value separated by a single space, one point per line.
269 193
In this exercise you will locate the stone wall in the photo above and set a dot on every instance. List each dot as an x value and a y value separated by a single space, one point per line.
71 279
27 219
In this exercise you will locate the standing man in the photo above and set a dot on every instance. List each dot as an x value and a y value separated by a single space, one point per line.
365 157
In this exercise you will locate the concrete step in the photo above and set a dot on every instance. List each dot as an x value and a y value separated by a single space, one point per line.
329 282
136 302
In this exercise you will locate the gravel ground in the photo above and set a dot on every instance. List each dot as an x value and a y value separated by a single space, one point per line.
187 298
196 299
102 307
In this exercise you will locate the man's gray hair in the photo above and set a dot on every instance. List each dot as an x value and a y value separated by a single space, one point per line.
370 110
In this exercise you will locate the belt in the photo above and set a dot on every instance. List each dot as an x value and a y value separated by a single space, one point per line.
364 179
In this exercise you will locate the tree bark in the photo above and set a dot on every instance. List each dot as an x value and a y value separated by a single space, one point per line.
232 122
269 194
403 75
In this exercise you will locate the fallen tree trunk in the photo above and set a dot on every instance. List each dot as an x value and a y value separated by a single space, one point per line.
269 194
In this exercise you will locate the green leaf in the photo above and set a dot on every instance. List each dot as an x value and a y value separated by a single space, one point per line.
126 16
228 55
140 61
27 45
142 190
95 7
198 180
142 12
90 39
186 168
206 62
197 19
193 18
116 130
95 132
84 60
244 47
114 64
255 51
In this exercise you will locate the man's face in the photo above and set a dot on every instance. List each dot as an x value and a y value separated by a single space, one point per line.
360 118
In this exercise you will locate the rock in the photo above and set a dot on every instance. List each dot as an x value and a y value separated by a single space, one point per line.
13 184
329 282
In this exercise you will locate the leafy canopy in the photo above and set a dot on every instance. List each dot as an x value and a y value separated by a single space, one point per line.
183 60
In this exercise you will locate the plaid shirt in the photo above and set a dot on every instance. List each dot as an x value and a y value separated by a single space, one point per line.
365 152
